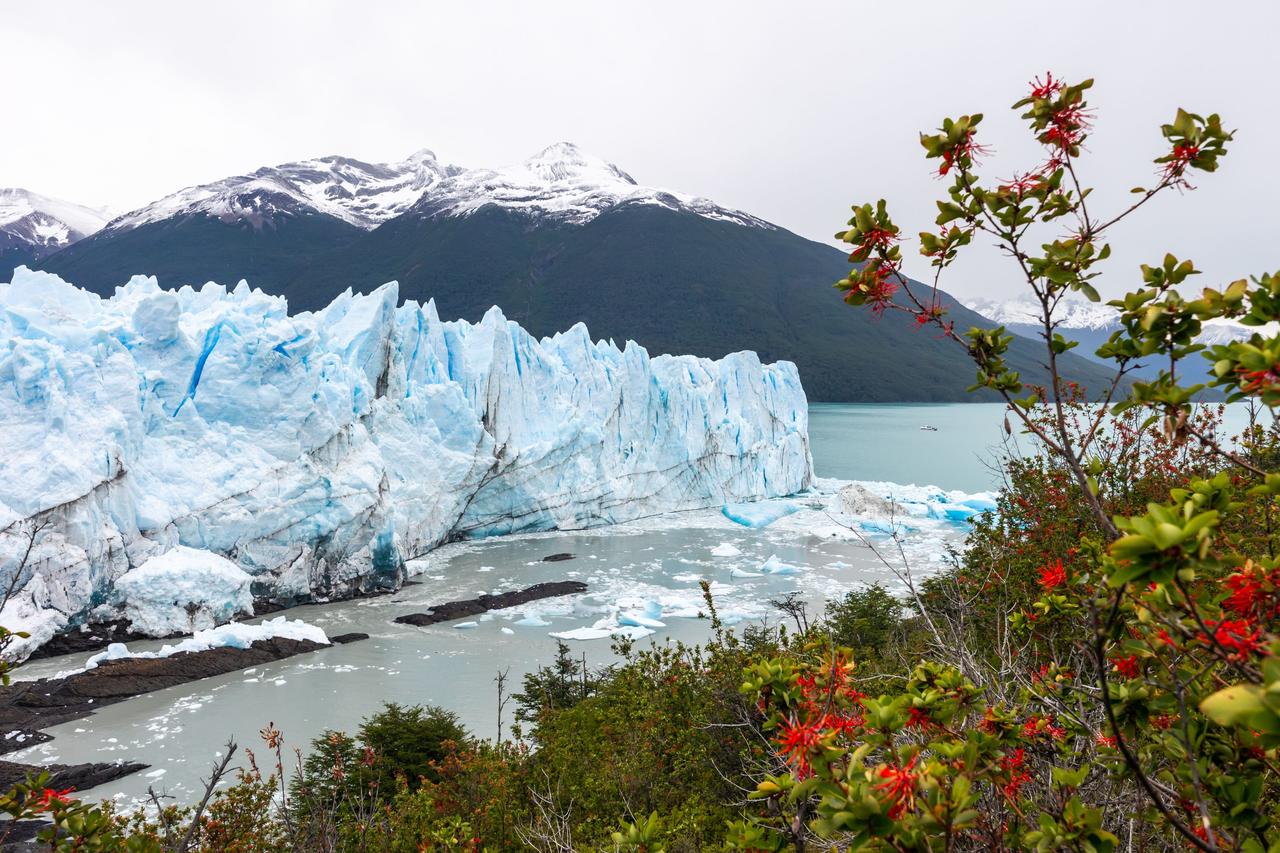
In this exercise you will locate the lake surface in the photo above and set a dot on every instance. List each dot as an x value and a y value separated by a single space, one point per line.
645 566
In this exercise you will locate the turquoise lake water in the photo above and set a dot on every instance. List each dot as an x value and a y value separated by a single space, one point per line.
871 441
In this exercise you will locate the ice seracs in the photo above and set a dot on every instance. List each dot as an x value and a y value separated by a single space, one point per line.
321 453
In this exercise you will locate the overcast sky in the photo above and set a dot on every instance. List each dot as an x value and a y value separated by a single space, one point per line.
791 111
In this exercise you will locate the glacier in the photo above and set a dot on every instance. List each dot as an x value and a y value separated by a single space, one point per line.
321 453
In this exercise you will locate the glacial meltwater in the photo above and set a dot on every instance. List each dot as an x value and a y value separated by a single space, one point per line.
650 568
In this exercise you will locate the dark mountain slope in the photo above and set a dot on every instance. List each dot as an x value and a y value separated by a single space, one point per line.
673 281
197 248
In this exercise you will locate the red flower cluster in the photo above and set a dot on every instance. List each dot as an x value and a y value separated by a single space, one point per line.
50 798
1069 121
1179 159
1253 593
872 241
1128 667
918 718
1048 88
899 787
878 286
1018 775
1237 636
1052 576
826 711
1038 725
1029 182
798 740
1255 381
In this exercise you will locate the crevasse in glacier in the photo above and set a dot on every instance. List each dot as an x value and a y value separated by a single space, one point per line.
320 452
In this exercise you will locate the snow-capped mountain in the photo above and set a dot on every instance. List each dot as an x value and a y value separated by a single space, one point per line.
1022 316
359 193
560 182
33 226
1091 324
1074 313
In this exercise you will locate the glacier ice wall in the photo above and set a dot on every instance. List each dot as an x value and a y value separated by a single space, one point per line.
320 452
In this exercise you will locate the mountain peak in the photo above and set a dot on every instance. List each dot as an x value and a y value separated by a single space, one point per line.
17 203
565 161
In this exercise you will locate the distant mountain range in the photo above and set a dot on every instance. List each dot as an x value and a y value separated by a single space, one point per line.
560 238
1091 324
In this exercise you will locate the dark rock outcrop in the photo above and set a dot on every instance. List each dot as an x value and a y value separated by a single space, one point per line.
452 610
556 558
78 777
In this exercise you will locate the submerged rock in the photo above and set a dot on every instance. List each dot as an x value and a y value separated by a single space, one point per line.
452 610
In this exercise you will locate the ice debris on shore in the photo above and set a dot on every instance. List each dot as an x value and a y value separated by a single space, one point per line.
236 635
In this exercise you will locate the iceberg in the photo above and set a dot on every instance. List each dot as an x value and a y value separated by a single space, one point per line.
774 566
183 591
726 549
323 454
759 514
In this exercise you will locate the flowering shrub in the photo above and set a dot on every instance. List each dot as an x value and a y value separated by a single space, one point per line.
1102 660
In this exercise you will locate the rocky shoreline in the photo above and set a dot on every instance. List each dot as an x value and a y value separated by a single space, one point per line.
28 707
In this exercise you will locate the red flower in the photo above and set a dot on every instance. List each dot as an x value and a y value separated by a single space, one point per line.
843 724
1128 667
1052 576
1106 740
899 787
1044 90
964 150
1179 159
50 798
1246 590
879 288
1253 381
798 740
918 718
